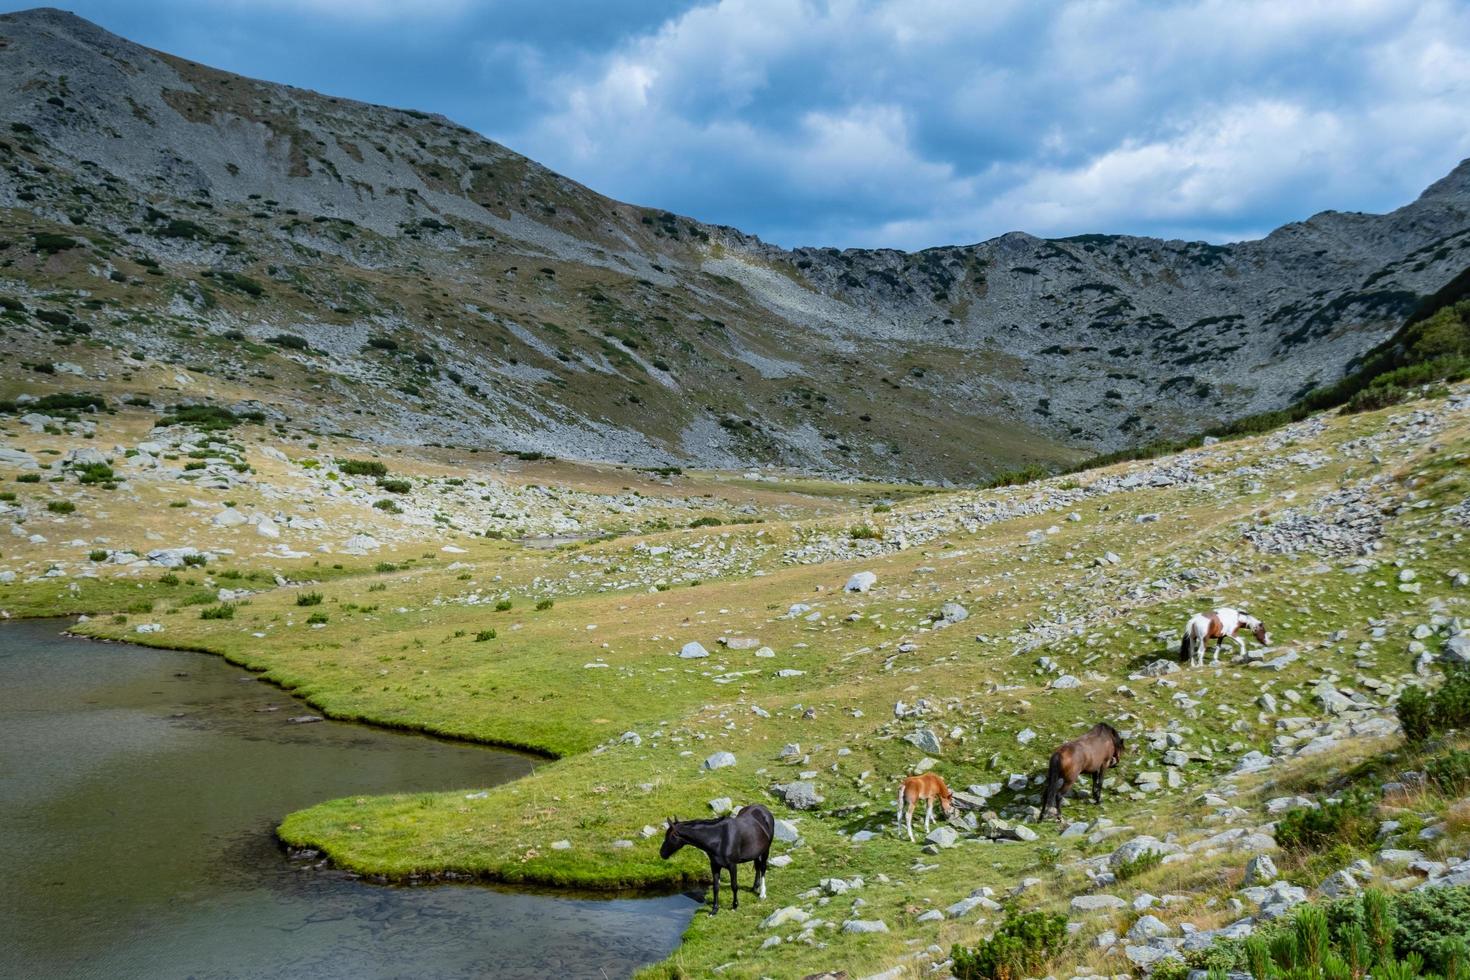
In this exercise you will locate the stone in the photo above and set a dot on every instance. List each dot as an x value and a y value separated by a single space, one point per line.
1097 903
1065 682
267 528
229 517
864 925
786 831
942 837
861 582
1025 736
721 805
1138 846
925 740
693 650
801 795
782 916
1338 885
1457 649
1260 870
720 760
953 612
1148 927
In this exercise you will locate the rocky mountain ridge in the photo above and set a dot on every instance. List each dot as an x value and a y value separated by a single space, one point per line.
389 273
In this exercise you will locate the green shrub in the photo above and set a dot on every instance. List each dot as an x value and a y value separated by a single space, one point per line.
385 566
1020 947
289 341
93 473
387 506
97 554
382 343
208 418
168 578
225 610
1448 707
195 561
395 486
1348 820
882 508
503 605
362 467
50 243
309 599
178 504
706 522
1135 866
61 506
1450 773
1417 935
1428 921
545 604
316 619
28 478
864 532
1416 715
484 635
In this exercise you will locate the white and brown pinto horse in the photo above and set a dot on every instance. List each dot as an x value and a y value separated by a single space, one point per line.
1219 625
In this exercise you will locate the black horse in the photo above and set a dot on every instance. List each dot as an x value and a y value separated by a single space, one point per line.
729 841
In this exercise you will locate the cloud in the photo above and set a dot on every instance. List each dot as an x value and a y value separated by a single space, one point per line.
910 124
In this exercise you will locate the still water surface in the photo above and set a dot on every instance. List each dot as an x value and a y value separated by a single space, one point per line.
138 792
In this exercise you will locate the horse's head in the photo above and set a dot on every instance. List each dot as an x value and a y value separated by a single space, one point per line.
946 801
1259 629
672 840
1118 746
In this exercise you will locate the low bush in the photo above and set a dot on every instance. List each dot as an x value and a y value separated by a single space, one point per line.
545 604
289 341
864 532
316 619
503 605
1417 935
28 478
362 467
706 522
385 566
1450 773
309 599
1135 866
61 506
225 610
387 506
97 554
1347 820
394 486
484 635
1020 947
195 561
1424 715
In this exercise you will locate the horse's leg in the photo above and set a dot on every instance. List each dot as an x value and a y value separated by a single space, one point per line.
1241 643
761 863
734 888
715 872
909 821
928 813
1066 788
1097 779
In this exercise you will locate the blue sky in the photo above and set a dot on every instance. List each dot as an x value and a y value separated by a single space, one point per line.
899 124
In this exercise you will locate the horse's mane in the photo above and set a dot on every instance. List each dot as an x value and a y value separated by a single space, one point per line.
1110 730
704 821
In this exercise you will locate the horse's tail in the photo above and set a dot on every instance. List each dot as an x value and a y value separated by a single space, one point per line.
1185 646
902 790
1050 794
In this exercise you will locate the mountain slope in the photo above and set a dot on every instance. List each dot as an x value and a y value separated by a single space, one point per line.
425 284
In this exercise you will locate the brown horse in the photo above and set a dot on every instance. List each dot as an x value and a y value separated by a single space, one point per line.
1096 752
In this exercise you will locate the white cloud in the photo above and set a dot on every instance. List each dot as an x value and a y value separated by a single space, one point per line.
911 124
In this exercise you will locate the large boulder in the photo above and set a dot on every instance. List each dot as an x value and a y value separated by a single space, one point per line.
693 650
800 795
861 582
720 760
